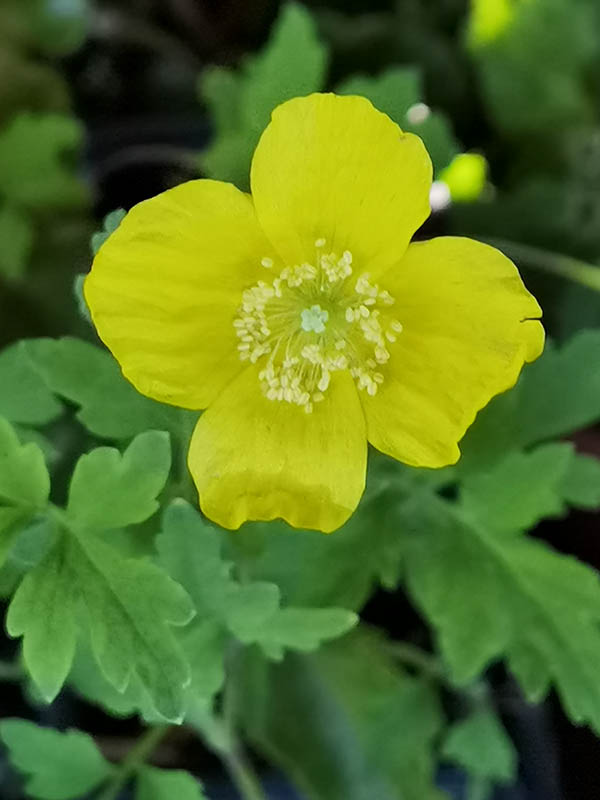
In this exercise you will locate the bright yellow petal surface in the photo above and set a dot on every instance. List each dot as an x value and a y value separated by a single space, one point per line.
469 325
334 167
256 459
164 289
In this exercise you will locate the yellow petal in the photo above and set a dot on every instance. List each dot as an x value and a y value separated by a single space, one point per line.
164 289
335 168
469 324
257 459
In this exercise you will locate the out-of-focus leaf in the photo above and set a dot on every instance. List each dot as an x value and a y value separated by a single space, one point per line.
293 63
532 62
520 489
16 242
33 85
398 92
54 27
581 484
161 784
59 766
36 174
371 727
60 26
110 224
394 92
480 745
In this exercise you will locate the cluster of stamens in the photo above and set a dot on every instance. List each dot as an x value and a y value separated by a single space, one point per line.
312 320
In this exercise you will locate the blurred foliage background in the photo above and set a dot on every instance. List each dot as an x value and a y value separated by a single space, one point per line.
103 104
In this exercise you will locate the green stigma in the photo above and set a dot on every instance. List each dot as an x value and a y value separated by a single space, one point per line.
314 319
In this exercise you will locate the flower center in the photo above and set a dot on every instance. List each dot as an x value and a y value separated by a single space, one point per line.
312 320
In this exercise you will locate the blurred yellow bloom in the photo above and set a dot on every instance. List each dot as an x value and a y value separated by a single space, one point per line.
489 19
465 177
303 320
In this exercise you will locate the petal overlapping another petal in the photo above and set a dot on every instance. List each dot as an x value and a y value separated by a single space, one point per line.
469 324
335 168
255 459
165 287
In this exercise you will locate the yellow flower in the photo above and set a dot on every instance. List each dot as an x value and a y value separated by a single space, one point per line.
303 320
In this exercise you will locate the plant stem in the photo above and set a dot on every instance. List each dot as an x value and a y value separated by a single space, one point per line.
239 768
478 789
11 671
243 775
572 269
135 758
412 656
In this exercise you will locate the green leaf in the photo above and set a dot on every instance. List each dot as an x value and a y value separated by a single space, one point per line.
191 551
24 485
221 89
42 612
88 376
560 393
160 784
393 92
25 398
480 745
130 604
316 570
204 643
489 595
110 490
380 724
293 63
581 484
34 172
24 480
59 766
521 97
302 629
16 235
60 26
87 679
110 224
519 490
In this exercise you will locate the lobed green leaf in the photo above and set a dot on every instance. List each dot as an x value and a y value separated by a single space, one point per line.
24 398
24 485
293 63
110 490
489 595
190 550
161 784
89 377
480 745
59 766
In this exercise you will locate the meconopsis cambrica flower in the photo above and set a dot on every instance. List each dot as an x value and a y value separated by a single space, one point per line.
305 322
